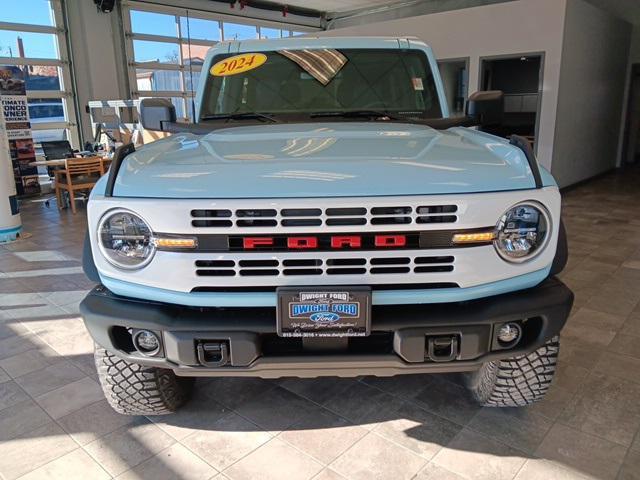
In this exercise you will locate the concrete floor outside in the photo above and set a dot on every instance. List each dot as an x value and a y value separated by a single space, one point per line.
55 423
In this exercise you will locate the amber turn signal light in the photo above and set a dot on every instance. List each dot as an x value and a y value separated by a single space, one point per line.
163 242
477 237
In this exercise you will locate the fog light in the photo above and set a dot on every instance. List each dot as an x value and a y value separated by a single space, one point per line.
146 342
509 333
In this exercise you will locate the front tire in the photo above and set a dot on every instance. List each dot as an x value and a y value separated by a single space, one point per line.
517 381
133 389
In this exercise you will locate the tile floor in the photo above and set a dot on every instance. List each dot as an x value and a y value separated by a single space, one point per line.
54 422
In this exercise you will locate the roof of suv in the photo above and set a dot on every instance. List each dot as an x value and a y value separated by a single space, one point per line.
241 46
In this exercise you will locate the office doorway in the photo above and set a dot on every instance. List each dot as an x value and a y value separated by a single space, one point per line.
631 139
520 78
455 78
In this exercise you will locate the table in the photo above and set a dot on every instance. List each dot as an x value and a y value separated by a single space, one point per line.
59 162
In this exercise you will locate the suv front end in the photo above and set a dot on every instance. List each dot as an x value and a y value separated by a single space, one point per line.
438 255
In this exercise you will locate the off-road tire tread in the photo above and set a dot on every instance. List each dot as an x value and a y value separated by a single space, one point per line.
517 381
133 389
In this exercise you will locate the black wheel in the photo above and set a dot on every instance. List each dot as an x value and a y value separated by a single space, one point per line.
134 389
517 381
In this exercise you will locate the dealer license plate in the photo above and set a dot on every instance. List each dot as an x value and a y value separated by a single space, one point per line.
325 312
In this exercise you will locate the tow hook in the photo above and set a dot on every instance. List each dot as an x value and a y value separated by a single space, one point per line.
442 349
213 354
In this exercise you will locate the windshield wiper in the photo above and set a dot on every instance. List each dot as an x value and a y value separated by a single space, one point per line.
356 114
240 116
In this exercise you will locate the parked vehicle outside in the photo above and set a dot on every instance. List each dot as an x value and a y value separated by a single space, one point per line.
47 112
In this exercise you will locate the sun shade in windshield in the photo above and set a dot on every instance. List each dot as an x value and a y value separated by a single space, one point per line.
322 65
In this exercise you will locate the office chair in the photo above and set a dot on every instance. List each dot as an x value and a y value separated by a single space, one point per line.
55 150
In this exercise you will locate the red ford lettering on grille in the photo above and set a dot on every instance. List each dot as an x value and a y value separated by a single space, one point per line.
352 241
390 240
302 243
322 242
251 243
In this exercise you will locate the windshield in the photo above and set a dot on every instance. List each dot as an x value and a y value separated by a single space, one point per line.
312 82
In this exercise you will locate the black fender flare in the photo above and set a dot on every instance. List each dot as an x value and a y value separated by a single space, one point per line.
88 265
562 252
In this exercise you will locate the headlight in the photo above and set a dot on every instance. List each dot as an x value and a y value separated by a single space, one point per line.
125 239
522 232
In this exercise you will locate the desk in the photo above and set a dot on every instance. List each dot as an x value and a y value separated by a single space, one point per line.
61 162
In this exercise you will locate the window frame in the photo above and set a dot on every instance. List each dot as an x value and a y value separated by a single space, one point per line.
188 96
64 71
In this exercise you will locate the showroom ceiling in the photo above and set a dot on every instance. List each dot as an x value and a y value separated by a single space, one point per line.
335 5
628 10
329 7
332 10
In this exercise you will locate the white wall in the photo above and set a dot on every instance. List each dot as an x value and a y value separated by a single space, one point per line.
522 26
592 87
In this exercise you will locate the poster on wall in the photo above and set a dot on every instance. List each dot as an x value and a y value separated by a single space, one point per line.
13 99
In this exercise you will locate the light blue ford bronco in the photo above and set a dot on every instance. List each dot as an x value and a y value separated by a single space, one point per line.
324 215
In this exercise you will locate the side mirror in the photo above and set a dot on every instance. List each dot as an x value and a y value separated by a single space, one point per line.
154 112
486 108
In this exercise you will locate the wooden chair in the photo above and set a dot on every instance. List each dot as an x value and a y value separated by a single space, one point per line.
78 174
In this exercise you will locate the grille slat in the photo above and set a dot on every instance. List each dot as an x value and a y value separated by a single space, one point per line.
211 213
301 222
390 210
256 223
337 262
441 259
264 212
346 271
390 261
300 212
258 272
259 263
212 223
433 269
341 222
437 219
437 209
216 273
302 262
390 220
215 263
345 212
389 270
302 271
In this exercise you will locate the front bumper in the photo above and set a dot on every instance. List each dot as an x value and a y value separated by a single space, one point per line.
399 340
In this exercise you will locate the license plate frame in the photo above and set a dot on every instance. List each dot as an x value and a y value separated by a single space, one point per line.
316 312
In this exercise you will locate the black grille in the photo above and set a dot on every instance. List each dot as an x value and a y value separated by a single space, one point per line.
270 267
332 216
